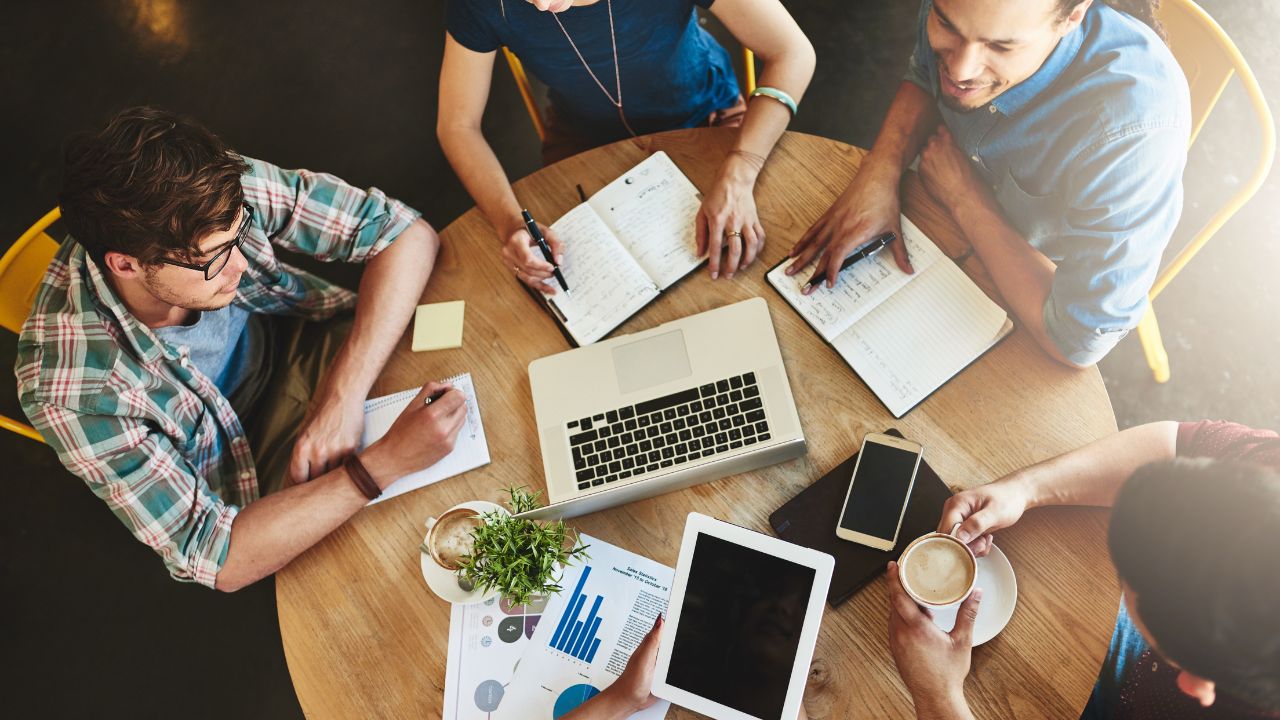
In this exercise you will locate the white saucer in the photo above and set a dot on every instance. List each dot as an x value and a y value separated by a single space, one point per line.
999 596
444 583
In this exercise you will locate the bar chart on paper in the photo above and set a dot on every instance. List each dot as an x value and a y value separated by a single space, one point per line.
575 635
588 630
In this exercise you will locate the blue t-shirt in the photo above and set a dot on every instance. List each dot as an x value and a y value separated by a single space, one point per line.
1085 158
673 73
222 344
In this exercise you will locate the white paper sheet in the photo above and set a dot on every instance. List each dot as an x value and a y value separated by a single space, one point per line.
486 641
587 633
470 451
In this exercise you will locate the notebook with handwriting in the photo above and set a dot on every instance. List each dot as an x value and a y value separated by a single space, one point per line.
904 335
624 246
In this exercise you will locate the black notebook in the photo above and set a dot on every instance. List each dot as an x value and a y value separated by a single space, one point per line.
810 518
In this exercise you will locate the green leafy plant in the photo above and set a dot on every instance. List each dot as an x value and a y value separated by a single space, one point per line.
520 558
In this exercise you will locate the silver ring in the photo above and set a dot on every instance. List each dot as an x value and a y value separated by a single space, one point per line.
734 233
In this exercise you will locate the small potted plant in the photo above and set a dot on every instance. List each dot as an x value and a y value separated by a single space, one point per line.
519 558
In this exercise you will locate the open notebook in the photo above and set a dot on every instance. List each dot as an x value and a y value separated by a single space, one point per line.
625 245
905 335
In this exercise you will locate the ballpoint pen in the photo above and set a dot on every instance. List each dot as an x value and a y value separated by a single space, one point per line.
877 244
532 227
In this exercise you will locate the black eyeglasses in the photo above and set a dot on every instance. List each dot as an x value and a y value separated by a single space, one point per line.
219 261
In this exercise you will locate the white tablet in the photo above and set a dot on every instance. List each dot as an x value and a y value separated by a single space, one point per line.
741 622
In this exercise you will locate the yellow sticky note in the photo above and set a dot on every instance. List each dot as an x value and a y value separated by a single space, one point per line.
438 326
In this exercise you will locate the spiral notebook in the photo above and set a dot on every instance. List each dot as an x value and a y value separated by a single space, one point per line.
470 450
904 335
623 247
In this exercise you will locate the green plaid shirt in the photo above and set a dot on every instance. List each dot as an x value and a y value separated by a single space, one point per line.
133 417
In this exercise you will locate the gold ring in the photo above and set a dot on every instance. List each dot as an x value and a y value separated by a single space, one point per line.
734 233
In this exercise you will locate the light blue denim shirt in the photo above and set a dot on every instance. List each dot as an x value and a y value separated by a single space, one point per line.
1085 158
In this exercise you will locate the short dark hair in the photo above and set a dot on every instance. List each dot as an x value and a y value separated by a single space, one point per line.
1197 541
1144 10
149 184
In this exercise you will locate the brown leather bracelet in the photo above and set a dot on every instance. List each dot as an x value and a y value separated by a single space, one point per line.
360 476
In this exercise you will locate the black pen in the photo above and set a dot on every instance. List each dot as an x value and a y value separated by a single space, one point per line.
532 227
876 245
435 396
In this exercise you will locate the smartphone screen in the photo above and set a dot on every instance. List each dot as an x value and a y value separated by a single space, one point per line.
879 490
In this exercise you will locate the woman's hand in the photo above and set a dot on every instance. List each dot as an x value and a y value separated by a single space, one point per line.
520 252
727 220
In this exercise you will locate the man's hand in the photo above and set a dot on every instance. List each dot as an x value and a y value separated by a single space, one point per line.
330 432
730 207
869 207
984 510
520 252
948 176
420 437
933 664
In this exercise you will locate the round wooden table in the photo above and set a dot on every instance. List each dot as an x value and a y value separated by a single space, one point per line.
365 638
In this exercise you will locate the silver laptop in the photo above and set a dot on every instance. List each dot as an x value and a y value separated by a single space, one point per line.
639 415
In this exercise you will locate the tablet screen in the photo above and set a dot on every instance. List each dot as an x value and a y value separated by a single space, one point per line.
739 626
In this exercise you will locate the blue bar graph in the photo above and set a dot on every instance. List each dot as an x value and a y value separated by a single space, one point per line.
574 636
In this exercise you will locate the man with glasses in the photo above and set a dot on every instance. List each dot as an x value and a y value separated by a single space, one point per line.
184 372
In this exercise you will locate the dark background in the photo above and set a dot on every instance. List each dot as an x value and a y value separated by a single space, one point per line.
92 625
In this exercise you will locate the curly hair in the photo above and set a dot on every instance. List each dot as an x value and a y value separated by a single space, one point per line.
151 183
1144 10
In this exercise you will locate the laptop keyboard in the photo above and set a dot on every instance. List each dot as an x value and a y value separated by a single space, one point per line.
681 427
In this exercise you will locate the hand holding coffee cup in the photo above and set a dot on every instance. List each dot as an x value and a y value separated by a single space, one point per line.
982 511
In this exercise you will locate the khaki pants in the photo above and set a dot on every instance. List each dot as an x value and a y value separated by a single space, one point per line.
273 403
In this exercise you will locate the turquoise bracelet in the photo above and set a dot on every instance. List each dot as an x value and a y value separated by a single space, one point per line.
778 95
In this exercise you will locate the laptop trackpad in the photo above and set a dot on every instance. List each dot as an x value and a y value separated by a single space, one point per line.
652 361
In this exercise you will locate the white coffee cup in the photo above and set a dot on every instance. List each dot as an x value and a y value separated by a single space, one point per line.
938 570
448 536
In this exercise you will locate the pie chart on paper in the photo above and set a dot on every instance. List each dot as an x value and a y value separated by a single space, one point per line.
571 697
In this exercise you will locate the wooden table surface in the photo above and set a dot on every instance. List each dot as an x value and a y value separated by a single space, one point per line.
365 638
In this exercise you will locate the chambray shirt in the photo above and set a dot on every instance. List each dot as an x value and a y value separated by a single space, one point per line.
134 416
1085 158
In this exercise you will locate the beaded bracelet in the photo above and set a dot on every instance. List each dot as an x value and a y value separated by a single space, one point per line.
778 95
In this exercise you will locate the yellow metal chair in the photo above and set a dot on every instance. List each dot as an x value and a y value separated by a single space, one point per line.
21 269
531 104
1209 59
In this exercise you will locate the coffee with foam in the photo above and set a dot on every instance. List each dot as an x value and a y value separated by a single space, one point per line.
938 570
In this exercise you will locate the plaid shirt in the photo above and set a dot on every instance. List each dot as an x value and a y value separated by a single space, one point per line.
133 417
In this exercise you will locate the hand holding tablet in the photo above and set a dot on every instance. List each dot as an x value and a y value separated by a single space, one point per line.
742 623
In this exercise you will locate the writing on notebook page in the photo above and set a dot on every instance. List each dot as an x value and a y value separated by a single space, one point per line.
922 336
859 289
653 210
606 286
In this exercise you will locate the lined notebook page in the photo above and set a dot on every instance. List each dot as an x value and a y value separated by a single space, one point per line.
858 289
924 334
606 286
652 209
470 450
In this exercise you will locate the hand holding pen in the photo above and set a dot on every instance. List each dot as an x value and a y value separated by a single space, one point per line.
524 256
877 244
